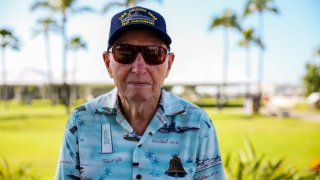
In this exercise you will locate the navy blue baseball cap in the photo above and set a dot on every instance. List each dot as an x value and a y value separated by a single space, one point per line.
138 18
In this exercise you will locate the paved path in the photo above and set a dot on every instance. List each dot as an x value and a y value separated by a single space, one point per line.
310 116
302 115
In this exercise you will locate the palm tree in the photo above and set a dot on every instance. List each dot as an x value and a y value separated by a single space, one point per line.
248 39
8 40
126 3
228 20
260 6
76 43
63 8
44 26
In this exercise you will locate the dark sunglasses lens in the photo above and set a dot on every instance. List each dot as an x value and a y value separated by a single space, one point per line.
124 54
154 55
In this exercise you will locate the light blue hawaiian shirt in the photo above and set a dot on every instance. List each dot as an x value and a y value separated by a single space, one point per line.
179 143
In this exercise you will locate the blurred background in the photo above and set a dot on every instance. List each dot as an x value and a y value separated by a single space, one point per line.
252 65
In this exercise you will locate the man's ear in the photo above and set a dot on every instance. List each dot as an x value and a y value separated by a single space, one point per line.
170 62
106 59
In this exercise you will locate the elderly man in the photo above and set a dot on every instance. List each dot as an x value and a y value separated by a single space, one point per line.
138 130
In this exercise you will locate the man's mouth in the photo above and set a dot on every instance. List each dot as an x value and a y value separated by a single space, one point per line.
138 83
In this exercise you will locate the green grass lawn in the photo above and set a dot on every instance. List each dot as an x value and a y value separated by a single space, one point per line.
295 140
32 135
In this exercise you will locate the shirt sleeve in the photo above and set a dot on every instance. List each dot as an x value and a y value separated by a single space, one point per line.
208 162
69 163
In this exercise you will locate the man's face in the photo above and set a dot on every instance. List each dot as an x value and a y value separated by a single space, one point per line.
138 82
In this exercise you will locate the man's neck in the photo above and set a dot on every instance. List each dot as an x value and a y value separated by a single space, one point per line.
139 114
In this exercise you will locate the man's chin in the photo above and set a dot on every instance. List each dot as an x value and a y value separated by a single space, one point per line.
139 97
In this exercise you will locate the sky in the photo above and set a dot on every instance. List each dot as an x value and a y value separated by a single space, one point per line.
290 39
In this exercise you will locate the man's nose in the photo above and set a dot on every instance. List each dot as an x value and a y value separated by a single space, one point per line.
139 65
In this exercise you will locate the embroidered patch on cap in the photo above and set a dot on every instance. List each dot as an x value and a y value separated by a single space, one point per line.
138 18
137 15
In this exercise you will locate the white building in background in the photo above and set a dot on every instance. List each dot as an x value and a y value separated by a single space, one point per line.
90 85
281 99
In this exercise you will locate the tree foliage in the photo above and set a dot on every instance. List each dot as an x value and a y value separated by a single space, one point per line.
248 38
260 6
22 172
76 43
311 78
249 165
44 25
228 20
9 39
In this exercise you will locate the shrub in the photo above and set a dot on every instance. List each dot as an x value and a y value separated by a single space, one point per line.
23 172
248 166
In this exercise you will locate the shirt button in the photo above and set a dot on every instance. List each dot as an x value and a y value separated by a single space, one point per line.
138 176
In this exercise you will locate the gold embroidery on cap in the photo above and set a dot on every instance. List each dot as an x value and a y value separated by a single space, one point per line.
137 9
134 17
122 16
153 16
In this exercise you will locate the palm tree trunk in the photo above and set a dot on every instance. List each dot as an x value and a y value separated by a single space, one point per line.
4 79
65 87
225 65
3 67
220 91
64 51
73 96
257 98
49 68
226 57
261 56
74 68
48 57
248 71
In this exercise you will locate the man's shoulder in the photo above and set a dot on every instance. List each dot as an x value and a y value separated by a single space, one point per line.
189 107
189 112
102 101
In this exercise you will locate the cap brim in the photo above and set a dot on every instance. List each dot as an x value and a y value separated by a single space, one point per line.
164 36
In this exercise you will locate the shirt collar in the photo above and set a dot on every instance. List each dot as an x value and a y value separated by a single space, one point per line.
108 104
168 102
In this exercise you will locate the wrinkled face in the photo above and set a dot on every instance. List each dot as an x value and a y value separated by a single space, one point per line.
138 82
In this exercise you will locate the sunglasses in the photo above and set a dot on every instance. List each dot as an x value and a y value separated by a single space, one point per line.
126 53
